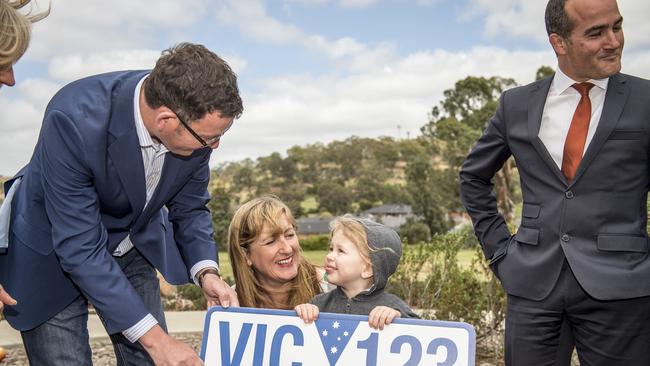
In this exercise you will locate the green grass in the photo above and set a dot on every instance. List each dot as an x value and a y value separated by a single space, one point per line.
308 204
317 257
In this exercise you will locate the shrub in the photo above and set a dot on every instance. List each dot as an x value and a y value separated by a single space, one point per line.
413 231
316 242
429 278
192 293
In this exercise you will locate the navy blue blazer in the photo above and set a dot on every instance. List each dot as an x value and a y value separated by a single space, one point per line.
82 193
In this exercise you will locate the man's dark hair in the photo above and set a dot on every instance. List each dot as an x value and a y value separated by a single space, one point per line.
192 81
557 20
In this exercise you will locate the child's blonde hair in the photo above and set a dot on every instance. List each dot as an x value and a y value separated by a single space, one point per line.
352 229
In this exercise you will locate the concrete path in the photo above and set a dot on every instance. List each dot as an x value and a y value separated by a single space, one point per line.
177 322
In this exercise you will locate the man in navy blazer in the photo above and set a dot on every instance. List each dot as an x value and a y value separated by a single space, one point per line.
580 255
116 154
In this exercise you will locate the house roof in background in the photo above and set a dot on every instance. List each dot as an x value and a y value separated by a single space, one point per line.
314 225
394 209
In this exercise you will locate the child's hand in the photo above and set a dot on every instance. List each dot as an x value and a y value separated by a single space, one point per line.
382 315
307 312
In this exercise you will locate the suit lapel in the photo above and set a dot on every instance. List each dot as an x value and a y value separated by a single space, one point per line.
124 150
536 103
170 171
175 169
615 98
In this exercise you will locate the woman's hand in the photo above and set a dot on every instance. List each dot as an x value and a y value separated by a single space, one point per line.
307 312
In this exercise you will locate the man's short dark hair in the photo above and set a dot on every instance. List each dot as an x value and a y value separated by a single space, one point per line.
192 81
557 20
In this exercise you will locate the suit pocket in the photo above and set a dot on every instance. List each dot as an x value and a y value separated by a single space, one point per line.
627 135
526 235
622 243
32 236
530 211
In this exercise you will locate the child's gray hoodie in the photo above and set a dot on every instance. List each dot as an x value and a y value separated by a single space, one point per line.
385 253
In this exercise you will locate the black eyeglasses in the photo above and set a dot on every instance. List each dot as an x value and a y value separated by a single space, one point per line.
198 138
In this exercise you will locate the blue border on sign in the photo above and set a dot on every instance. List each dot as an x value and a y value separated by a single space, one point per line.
292 313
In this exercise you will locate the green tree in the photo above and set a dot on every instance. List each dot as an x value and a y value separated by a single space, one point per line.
334 198
543 72
413 231
457 123
219 206
426 187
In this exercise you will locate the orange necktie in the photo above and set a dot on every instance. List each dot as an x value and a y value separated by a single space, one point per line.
574 145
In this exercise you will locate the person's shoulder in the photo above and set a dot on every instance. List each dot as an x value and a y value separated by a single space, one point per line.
526 89
94 88
632 80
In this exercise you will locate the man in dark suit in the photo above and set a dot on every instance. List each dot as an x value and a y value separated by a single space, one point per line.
117 153
581 142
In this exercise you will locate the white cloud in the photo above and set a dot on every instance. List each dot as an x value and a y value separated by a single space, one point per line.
251 17
343 3
300 109
94 26
512 17
357 3
77 66
426 2
636 23
525 19
308 2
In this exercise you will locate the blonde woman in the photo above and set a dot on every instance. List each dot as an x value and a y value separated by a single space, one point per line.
15 29
270 271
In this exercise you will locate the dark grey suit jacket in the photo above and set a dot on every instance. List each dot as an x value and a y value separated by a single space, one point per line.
597 222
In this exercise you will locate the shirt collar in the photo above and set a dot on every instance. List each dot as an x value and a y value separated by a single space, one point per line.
144 137
561 82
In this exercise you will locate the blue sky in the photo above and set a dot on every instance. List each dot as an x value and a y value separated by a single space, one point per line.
309 70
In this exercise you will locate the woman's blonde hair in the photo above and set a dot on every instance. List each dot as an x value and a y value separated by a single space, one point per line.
15 30
246 227
355 232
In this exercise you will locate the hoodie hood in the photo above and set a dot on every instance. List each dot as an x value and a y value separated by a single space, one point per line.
385 251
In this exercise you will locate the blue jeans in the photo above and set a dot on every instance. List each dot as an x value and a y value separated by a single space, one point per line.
63 340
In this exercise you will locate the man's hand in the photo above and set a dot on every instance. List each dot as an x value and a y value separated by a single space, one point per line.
6 299
381 316
217 291
166 351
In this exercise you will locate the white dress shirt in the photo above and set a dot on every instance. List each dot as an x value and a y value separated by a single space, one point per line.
561 103
153 157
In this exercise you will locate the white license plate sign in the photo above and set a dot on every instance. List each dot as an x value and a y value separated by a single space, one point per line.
262 337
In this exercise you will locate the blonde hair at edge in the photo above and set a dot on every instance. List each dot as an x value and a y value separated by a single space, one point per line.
246 227
15 30
355 232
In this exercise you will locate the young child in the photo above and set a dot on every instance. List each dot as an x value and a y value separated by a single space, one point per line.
363 254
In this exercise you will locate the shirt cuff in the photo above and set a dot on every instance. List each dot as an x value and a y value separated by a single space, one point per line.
140 328
199 266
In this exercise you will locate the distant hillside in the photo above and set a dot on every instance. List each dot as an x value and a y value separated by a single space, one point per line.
346 176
